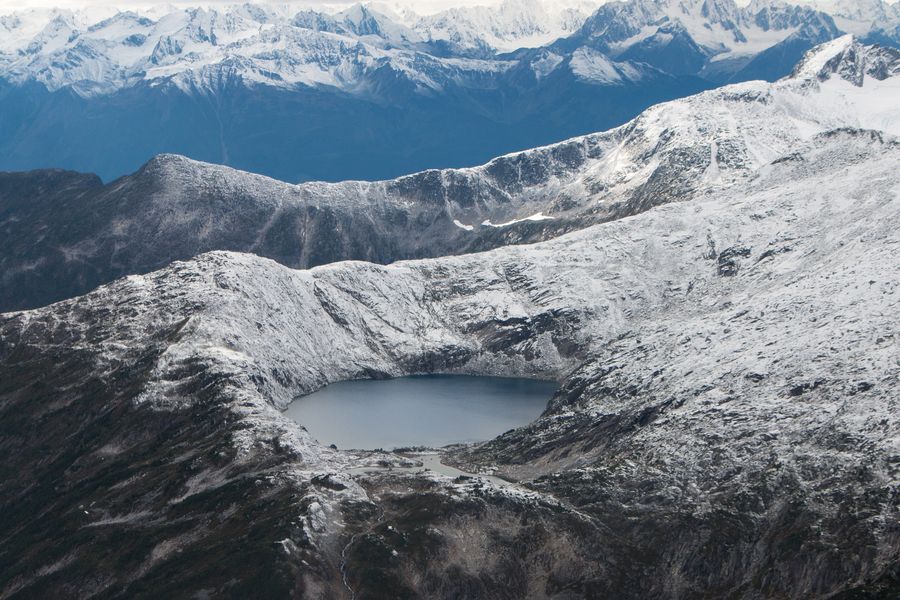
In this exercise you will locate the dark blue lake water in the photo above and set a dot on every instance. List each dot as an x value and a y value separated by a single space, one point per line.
428 410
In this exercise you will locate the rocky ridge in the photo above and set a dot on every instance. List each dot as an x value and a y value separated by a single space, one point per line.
65 234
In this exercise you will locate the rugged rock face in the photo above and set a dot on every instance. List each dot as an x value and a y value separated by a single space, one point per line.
59 242
104 497
851 62
713 436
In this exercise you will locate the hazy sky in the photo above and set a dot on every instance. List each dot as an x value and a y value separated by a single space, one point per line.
425 5
430 5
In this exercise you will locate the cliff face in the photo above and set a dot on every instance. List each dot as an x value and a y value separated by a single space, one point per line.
725 426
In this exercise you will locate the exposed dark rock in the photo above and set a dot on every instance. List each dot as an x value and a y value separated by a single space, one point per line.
802 388
729 260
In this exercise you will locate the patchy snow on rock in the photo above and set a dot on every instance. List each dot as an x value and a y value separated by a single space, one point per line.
594 66
546 64
177 207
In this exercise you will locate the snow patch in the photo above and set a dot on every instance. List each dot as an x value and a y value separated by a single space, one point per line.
536 217
463 226
594 66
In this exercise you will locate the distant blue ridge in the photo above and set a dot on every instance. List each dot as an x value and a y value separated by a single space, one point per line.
309 134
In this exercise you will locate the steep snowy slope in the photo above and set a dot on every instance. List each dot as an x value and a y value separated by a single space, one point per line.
726 426
65 234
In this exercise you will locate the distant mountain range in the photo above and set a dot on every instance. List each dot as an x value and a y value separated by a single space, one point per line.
374 91
64 233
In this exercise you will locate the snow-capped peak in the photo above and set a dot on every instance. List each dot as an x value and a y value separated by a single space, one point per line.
101 50
849 60
719 28
816 59
508 25
858 17
194 47
852 9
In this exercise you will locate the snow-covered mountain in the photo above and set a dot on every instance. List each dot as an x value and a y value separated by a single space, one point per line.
371 91
511 25
96 52
717 39
175 208
726 424
875 21
856 12
376 97
99 51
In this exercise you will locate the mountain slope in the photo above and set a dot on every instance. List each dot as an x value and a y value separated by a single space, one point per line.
58 243
715 39
393 129
874 20
726 423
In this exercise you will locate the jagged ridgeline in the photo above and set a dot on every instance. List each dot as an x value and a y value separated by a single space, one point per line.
371 92
718 303
66 233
